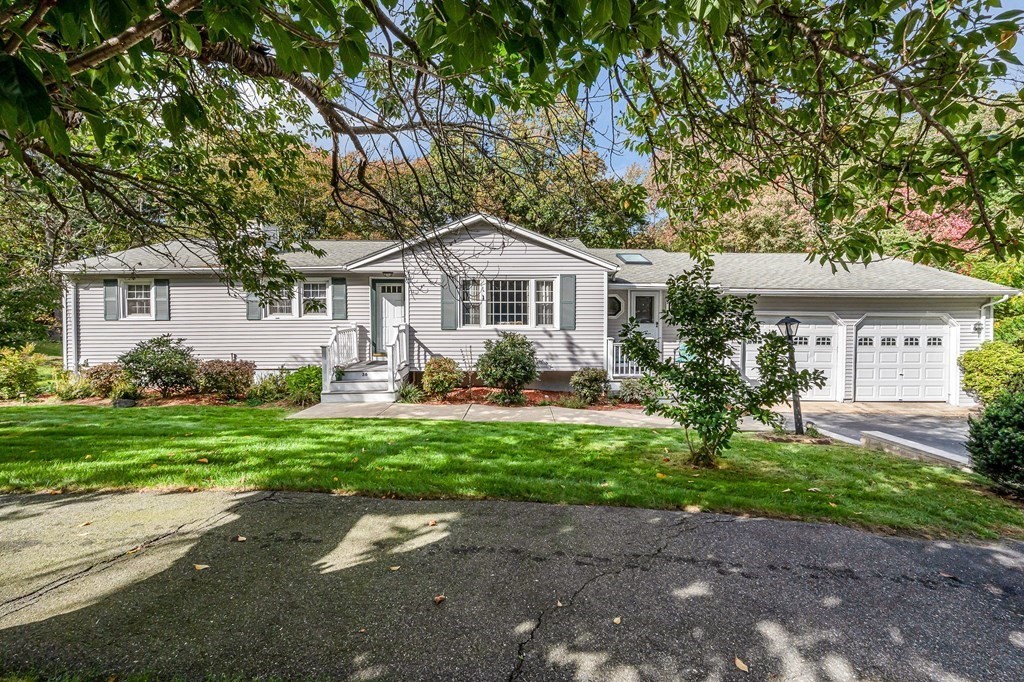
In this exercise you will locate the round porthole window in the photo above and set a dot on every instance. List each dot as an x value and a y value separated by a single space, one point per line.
614 306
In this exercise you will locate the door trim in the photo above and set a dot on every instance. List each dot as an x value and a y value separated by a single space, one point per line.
374 281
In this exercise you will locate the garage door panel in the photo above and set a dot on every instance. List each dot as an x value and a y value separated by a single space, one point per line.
902 359
815 348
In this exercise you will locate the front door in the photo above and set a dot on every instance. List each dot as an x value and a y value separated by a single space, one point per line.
645 311
389 312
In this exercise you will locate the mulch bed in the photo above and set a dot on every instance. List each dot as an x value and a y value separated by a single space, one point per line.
534 397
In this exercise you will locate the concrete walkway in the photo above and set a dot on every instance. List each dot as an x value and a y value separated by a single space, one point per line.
476 412
348 588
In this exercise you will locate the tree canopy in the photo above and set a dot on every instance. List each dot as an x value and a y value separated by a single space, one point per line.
149 112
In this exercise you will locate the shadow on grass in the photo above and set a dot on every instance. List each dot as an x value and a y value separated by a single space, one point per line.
88 448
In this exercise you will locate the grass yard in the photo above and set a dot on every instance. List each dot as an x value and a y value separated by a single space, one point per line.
72 448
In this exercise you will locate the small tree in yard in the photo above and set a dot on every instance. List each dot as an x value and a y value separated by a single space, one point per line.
702 389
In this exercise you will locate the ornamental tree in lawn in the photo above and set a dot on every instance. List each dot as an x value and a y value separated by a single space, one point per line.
702 389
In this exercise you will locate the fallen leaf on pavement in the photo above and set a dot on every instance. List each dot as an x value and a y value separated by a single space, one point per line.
238 538
439 598
616 620
692 509
431 522
200 567
741 665
362 629
393 568
559 604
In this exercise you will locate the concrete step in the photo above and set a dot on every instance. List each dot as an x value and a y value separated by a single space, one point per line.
359 386
368 397
374 373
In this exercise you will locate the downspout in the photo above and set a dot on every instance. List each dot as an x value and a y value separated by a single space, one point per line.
991 305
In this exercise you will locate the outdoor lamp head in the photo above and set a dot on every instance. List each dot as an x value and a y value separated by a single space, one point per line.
789 326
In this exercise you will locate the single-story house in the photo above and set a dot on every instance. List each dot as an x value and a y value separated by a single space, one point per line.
372 312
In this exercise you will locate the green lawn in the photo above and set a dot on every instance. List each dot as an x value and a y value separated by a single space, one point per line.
61 447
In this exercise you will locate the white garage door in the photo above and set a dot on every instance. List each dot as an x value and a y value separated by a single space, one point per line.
902 359
815 347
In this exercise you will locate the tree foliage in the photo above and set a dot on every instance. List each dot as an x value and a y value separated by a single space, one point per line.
702 389
149 112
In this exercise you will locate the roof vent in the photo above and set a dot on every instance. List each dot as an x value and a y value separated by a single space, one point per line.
633 258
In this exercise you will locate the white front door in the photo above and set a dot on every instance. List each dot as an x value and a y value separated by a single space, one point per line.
902 359
390 313
814 347
644 307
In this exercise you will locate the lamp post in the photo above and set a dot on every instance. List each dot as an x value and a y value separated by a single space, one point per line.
788 327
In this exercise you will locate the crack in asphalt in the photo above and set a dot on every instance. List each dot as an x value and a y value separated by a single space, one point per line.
633 562
15 604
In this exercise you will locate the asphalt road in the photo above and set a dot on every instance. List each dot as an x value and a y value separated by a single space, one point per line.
345 587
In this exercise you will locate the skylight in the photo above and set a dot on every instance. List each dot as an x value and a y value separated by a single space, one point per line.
633 258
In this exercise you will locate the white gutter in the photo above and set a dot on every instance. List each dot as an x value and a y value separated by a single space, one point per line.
988 331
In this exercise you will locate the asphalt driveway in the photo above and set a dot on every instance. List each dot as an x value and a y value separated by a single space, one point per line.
937 425
349 588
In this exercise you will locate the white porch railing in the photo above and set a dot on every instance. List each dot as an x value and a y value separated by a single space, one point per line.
398 355
341 351
619 366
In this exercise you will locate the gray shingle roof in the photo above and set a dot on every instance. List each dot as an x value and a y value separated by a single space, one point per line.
742 272
792 272
178 255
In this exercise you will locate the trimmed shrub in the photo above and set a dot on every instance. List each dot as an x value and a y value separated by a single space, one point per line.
304 385
125 390
988 370
270 388
441 376
411 393
19 371
590 384
229 378
70 386
163 363
636 390
102 378
510 363
996 438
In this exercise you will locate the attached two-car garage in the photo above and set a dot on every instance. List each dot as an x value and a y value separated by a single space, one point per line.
894 358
